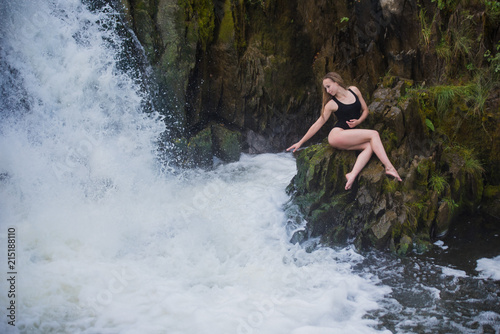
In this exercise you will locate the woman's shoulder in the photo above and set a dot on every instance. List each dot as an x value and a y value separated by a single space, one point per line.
354 89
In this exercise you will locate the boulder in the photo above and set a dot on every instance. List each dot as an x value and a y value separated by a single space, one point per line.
226 142
214 141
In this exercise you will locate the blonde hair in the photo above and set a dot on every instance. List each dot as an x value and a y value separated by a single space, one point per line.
335 77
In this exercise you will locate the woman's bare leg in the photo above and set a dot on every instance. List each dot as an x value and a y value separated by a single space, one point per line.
352 140
361 162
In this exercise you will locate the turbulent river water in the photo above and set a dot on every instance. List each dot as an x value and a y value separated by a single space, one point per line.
98 238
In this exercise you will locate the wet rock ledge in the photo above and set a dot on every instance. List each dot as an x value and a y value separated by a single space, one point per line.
440 181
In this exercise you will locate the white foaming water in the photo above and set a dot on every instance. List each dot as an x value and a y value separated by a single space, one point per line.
489 268
105 243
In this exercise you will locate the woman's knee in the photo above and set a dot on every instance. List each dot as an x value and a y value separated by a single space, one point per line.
333 142
374 134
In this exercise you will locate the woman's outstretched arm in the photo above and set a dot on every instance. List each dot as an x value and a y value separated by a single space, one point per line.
314 128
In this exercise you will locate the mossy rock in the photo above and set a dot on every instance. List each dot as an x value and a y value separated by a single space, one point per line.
227 143
379 212
466 174
492 200
381 229
200 148
214 140
405 245
440 182
323 168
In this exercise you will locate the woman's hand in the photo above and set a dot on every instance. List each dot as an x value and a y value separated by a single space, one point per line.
353 123
295 147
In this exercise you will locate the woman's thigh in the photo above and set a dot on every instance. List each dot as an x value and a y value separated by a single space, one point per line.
352 139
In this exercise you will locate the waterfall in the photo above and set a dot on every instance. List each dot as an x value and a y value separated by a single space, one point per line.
105 242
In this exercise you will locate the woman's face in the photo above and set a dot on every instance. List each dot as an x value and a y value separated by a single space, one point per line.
330 86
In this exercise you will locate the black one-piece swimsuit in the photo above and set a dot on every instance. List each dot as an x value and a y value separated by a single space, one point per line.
346 112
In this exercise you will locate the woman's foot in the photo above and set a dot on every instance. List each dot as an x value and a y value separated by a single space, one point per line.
351 177
393 172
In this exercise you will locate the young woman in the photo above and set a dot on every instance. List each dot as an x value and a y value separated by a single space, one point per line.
351 110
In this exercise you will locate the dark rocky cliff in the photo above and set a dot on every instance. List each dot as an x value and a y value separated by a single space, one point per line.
255 66
244 76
